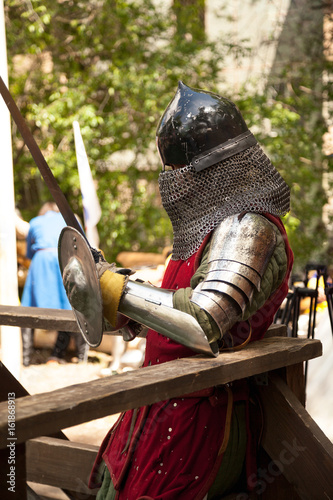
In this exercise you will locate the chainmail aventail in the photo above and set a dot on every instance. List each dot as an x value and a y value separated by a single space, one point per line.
196 202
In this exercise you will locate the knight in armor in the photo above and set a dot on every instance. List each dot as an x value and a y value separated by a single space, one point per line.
226 279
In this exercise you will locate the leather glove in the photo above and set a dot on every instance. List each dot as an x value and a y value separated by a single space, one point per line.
112 284
103 265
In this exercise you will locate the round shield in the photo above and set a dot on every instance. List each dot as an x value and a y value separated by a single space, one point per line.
73 249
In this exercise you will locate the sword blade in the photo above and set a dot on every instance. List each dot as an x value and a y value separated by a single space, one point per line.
40 161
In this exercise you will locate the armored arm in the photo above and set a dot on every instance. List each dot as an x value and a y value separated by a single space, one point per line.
240 252
153 307
141 302
242 257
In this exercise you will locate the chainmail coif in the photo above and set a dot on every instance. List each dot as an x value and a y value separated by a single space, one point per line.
197 202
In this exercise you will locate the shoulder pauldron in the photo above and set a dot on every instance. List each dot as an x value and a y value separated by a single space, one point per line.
240 250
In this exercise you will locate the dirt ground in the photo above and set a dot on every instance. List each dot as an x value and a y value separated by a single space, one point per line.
42 377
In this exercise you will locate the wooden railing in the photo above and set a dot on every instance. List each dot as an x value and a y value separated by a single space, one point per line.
297 458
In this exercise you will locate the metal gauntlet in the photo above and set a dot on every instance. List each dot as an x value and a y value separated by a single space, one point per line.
94 291
241 248
153 307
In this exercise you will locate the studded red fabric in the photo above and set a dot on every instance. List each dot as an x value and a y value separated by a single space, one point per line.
169 450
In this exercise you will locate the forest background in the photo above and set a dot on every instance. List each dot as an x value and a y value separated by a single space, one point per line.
113 65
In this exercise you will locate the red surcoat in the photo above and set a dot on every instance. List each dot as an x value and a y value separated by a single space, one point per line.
170 450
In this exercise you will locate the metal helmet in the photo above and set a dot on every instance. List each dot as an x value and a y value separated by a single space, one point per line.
201 128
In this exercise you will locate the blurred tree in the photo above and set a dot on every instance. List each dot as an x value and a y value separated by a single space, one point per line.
287 118
190 19
298 87
114 65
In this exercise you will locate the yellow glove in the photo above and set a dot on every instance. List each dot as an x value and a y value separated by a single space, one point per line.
112 284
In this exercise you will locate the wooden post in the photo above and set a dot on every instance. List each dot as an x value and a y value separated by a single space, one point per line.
12 386
12 457
297 447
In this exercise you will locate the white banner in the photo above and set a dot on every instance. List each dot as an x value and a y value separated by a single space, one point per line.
91 207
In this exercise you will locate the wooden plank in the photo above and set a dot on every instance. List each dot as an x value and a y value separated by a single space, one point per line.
12 457
37 317
9 384
295 380
270 487
43 414
13 471
276 330
64 320
32 495
60 463
297 446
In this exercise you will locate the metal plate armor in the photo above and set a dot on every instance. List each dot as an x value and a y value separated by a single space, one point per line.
240 251
153 307
197 123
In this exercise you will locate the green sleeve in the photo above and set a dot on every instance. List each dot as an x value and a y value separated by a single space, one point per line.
272 278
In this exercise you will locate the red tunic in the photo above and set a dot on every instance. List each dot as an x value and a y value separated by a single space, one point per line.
172 452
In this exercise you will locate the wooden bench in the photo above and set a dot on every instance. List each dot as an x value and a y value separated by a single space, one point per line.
297 461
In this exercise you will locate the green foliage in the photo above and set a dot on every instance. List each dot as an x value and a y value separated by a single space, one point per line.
288 120
296 152
113 65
